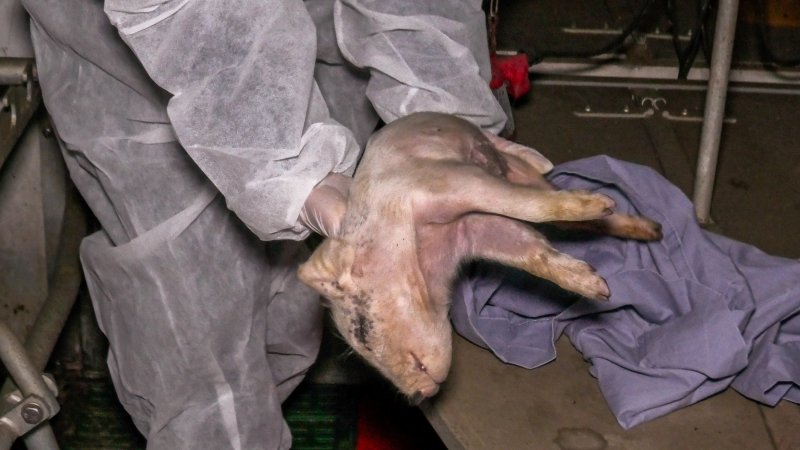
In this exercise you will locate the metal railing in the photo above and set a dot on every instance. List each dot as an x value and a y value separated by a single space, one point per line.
29 397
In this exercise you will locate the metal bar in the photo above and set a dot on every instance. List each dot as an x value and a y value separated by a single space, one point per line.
745 89
7 436
619 70
57 306
618 32
41 438
30 382
63 293
15 70
53 314
19 366
715 107
24 374
64 287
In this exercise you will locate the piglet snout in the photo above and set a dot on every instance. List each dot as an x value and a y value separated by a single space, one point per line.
429 391
423 394
432 382
437 378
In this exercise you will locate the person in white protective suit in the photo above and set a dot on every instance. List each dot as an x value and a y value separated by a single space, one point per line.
208 137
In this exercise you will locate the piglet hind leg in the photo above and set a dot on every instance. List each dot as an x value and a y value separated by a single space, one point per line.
624 226
620 225
516 244
459 189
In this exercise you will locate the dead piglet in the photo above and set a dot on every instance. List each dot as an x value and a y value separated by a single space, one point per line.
432 191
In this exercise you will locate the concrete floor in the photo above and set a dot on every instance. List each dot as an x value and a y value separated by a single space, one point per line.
486 404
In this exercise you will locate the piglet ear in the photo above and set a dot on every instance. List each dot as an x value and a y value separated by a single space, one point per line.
329 269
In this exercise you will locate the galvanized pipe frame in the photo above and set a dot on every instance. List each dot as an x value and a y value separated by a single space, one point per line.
64 286
19 366
714 113
617 68
31 359
40 436
38 403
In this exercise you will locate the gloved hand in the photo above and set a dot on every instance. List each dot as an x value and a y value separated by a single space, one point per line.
325 206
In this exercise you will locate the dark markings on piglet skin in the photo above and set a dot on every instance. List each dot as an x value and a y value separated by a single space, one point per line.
360 300
361 329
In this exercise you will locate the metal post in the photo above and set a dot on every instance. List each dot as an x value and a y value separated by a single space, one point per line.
30 382
63 287
715 107
7 437
48 325
41 438
25 375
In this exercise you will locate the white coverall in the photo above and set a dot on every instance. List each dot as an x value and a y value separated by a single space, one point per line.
195 130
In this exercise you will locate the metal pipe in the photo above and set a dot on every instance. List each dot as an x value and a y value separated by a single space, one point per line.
50 321
41 438
683 86
15 70
19 366
714 113
63 293
7 437
29 379
618 69
64 287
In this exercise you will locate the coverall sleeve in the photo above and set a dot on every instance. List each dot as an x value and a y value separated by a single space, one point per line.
244 103
422 56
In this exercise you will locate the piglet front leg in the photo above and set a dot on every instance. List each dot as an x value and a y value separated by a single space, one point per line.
507 241
518 245
526 167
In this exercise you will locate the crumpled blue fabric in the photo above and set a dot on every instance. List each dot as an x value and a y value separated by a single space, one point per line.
688 316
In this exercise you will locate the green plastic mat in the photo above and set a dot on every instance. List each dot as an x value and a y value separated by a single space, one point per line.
322 417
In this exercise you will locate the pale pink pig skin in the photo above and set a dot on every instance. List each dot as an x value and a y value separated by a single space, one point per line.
431 192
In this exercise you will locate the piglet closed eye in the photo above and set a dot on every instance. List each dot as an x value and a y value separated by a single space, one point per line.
433 191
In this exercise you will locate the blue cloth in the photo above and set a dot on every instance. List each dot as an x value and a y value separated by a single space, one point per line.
689 315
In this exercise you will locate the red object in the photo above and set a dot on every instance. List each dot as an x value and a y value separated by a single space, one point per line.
511 71
385 422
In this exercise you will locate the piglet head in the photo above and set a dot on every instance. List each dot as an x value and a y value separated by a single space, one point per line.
391 323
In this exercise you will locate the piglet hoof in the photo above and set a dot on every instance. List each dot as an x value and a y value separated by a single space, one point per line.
651 231
633 227
579 277
601 293
594 287
584 205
